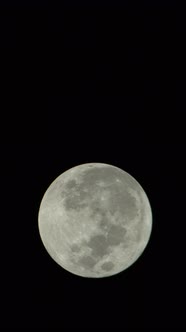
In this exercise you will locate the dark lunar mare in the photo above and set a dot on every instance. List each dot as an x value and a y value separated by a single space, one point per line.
107 266
101 245
121 201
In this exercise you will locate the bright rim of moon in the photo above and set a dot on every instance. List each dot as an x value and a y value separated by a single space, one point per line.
95 220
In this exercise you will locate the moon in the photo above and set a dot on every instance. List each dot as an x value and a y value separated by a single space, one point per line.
95 220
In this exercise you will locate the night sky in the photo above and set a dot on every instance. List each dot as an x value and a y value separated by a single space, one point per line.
92 83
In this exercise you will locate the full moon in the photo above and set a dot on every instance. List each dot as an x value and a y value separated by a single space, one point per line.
95 220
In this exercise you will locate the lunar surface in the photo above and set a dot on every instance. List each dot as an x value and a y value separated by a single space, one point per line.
95 220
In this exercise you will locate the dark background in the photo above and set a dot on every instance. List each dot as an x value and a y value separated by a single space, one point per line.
92 83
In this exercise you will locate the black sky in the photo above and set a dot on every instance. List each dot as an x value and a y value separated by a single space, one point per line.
84 83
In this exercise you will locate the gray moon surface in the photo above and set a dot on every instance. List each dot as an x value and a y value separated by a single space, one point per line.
95 220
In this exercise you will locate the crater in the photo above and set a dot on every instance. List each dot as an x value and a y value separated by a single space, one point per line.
75 248
107 266
116 235
99 245
87 261
98 211
104 222
104 174
122 202
71 184
75 201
